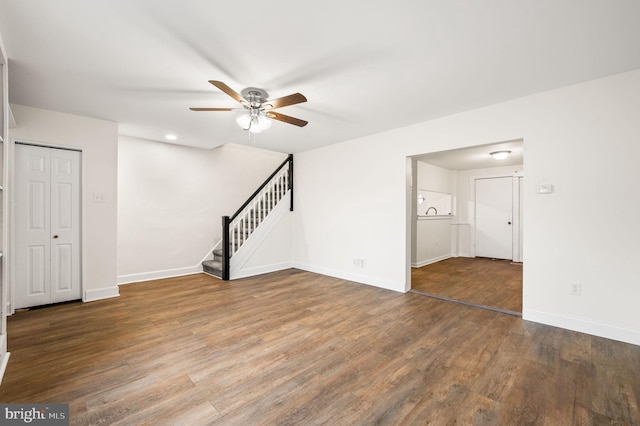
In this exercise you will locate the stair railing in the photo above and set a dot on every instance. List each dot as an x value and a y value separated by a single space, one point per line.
238 227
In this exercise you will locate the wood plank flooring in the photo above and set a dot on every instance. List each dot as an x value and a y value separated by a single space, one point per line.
294 347
477 280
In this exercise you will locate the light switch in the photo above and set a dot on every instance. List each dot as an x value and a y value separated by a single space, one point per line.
544 189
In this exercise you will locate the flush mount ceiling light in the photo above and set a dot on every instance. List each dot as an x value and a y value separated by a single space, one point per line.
500 155
170 137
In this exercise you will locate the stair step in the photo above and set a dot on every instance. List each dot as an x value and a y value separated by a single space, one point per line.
213 267
214 264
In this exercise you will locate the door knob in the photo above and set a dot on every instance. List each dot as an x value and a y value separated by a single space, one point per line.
509 223
55 236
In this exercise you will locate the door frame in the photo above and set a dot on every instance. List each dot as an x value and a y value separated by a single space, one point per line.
516 241
21 141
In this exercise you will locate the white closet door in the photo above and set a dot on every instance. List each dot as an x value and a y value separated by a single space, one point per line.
47 226
65 225
494 218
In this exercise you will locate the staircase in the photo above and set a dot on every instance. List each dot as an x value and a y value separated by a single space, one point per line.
237 229
214 266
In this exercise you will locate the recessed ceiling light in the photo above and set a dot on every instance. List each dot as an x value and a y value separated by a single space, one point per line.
500 155
170 137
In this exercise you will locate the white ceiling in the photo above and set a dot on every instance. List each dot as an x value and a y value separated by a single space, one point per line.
365 66
476 157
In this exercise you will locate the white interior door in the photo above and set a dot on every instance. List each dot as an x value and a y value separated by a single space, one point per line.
47 226
65 225
494 217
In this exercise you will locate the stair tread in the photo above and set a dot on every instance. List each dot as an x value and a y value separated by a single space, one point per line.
216 264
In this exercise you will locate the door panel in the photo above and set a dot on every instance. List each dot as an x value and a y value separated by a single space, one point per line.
53 209
494 218
65 225
36 279
38 205
63 278
63 200
32 226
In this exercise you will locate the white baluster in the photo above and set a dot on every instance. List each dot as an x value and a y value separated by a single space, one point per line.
251 218
233 238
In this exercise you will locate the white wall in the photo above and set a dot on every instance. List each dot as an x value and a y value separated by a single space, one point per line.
433 241
171 199
98 140
434 178
348 201
583 139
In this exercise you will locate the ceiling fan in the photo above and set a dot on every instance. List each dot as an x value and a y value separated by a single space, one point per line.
259 109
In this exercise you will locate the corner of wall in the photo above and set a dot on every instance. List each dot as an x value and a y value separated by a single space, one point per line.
92 295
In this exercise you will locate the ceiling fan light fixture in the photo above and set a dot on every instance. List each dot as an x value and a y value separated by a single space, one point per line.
500 155
244 121
259 123
263 122
255 123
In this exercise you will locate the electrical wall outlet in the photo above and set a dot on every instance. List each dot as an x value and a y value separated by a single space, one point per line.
575 289
99 197
358 263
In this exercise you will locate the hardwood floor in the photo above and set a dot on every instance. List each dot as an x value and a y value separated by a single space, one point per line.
477 280
298 348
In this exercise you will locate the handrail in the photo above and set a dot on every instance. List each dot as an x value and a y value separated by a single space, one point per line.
227 239
265 183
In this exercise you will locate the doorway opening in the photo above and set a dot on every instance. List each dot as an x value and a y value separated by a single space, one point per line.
471 254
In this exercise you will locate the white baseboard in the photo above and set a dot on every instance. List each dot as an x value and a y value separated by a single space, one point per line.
259 270
589 327
430 261
358 278
158 275
100 293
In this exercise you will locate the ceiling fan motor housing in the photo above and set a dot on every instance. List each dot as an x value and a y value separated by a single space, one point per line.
255 96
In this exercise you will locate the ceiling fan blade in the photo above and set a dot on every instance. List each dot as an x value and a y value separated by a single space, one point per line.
213 109
287 119
229 91
296 98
